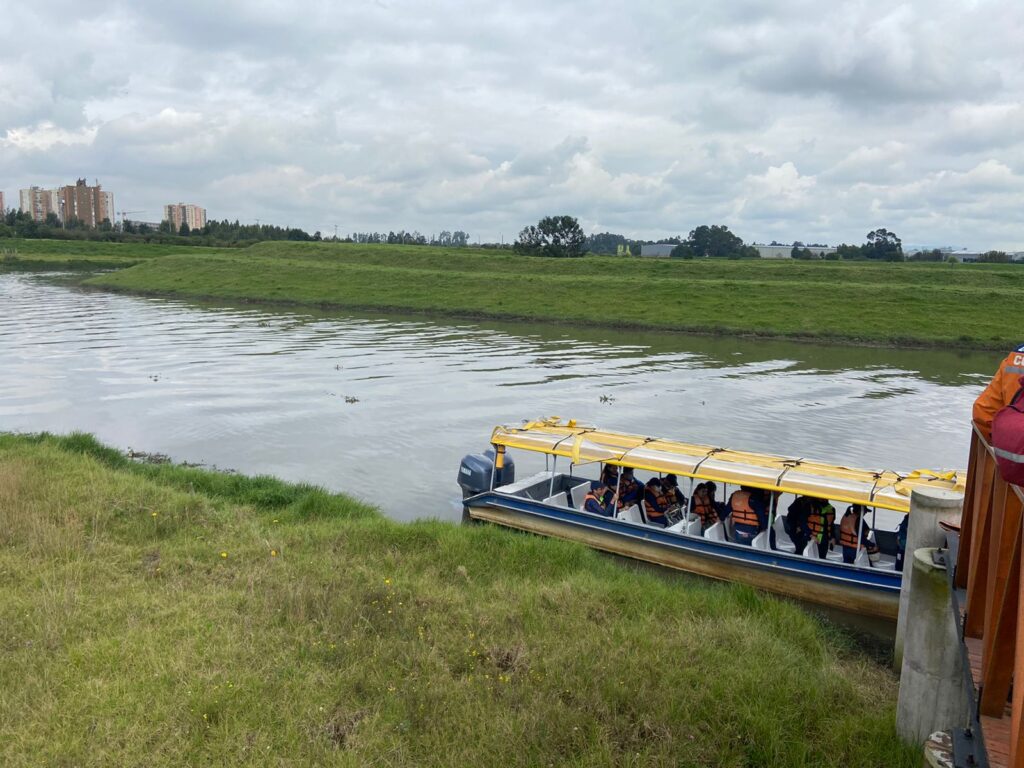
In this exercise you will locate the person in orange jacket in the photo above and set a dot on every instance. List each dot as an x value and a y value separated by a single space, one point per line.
1000 391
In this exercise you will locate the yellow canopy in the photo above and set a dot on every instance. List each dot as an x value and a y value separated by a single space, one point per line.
585 444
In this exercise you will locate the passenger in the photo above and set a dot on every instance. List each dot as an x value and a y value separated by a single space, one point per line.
820 526
630 489
675 498
901 542
848 535
749 514
600 501
655 503
674 494
796 519
1000 391
610 475
703 505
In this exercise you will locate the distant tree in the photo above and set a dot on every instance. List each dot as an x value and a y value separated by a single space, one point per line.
995 257
317 236
715 241
683 251
557 236
52 220
883 245
183 230
933 255
806 254
849 252
106 226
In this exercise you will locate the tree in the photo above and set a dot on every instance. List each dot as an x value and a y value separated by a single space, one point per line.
556 236
52 220
715 241
883 245
995 257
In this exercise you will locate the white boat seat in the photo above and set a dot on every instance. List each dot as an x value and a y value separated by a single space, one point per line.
761 541
559 500
716 532
579 494
679 527
630 514
861 560
693 527
811 550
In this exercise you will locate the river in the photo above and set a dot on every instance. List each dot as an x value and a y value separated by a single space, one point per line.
383 407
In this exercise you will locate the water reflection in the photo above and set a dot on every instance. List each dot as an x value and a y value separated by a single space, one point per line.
384 406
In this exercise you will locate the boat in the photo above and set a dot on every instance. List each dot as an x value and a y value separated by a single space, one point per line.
549 502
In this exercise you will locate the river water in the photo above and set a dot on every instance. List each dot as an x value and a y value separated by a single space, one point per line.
384 407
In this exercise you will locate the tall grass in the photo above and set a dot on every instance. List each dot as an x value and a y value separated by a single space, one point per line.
164 615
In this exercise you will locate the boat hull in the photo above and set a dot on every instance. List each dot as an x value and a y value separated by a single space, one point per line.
820 582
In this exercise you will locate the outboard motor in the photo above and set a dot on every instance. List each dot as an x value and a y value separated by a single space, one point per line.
475 473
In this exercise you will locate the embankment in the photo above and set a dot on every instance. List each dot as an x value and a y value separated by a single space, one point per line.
165 615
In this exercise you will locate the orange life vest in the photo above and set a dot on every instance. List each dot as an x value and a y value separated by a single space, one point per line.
704 508
658 499
742 512
848 533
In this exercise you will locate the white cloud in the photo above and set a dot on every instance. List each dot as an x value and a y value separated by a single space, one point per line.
787 120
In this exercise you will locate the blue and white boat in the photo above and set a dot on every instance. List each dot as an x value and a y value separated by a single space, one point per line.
550 503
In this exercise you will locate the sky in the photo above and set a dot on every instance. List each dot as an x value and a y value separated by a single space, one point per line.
785 120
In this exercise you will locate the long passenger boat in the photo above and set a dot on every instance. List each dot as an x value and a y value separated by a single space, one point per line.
550 502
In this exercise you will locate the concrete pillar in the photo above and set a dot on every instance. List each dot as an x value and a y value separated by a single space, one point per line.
927 507
932 696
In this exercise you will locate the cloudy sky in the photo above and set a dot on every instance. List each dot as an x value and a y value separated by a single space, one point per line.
785 119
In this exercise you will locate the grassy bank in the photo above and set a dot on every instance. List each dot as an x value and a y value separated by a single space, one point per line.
84 254
911 304
902 304
163 615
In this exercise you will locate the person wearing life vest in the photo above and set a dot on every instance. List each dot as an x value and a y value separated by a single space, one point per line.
1000 391
819 526
600 501
796 520
703 504
675 498
749 514
655 503
853 518
630 489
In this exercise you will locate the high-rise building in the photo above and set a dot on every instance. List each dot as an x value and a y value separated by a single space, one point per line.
192 215
38 202
90 205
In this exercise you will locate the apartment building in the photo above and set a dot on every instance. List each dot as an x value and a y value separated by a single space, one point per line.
90 205
192 215
38 202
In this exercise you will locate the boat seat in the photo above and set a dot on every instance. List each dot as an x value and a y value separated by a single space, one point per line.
579 494
630 515
693 527
811 550
761 541
716 532
559 500
679 527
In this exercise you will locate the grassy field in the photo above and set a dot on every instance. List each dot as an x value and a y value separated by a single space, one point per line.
909 304
163 615
83 254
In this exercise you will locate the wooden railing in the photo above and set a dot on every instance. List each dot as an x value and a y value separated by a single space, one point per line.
988 571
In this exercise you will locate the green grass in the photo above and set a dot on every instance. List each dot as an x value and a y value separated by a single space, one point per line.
146 620
910 304
84 254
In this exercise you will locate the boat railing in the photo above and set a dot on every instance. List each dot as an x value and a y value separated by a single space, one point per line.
987 594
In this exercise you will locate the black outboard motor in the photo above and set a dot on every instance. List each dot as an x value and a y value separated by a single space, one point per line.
475 473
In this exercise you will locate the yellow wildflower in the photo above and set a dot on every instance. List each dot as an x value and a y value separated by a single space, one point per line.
223 554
